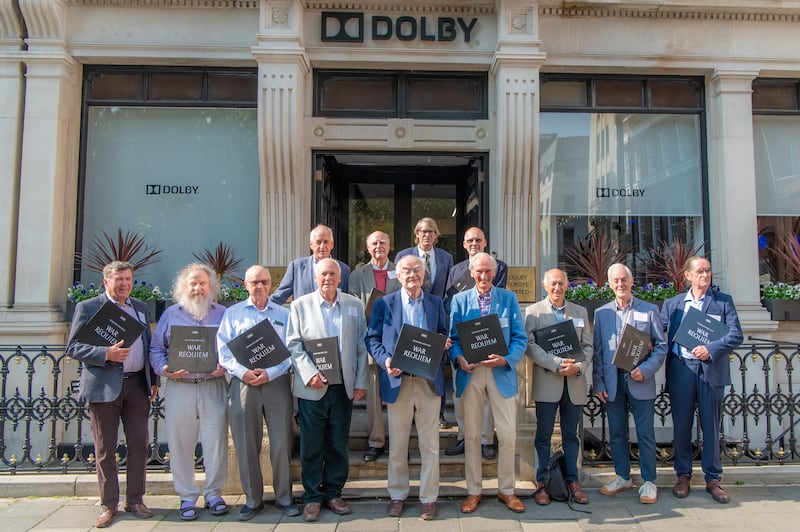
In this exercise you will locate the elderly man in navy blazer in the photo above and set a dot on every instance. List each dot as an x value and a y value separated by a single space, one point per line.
118 383
299 277
495 377
437 261
410 399
698 377
619 389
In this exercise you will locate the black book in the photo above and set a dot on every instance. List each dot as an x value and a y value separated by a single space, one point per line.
633 348
560 340
259 347
325 352
418 351
192 348
464 282
373 297
482 337
698 328
109 325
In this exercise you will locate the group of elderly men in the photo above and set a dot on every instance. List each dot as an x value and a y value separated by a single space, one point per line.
119 382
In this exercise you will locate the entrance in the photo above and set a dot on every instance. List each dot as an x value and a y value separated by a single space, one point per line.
358 193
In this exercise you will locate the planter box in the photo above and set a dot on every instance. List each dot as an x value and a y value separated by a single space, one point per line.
591 305
783 309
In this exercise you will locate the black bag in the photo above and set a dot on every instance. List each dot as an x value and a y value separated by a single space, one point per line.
555 481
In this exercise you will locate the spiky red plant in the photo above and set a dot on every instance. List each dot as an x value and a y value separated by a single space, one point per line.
222 260
593 255
130 247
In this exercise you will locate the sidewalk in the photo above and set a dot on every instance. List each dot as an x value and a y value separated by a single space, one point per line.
762 498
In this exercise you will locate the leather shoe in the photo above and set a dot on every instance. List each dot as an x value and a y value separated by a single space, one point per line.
511 502
338 506
138 509
470 504
540 496
488 452
578 495
681 487
716 491
373 453
290 510
395 507
311 512
443 423
456 449
246 513
428 511
106 516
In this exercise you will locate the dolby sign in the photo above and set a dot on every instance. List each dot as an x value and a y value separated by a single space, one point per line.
351 27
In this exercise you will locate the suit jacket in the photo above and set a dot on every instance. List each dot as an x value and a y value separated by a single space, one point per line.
500 277
548 385
505 305
716 370
306 322
605 343
101 380
384 330
444 261
299 280
362 281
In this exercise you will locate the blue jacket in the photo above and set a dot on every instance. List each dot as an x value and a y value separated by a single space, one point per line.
464 307
444 261
299 280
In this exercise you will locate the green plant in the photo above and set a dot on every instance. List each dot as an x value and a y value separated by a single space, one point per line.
588 291
77 292
780 291
655 291
233 292
665 263
144 291
592 256
130 247
222 261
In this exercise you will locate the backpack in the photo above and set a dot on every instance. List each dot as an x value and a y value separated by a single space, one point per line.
555 481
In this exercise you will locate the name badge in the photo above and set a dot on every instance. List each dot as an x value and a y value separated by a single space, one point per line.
577 322
639 316
715 316
503 322
392 274
141 316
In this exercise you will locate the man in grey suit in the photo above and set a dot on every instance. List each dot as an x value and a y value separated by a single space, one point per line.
118 383
559 384
378 273
325 409
299 277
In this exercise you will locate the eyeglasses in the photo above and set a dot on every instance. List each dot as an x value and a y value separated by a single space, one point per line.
262 282
426 231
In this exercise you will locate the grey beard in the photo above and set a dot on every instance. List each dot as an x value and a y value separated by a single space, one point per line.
197 307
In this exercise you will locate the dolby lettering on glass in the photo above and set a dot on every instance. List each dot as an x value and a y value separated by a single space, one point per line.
350 27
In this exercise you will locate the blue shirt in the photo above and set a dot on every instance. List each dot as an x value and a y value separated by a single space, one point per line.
175 315
238 319
413 310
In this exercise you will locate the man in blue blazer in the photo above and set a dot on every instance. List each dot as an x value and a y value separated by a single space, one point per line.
410 399
495 377
619 389
118 383
299 277
438 261
699 376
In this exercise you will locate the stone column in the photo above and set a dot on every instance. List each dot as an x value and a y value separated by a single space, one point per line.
732 194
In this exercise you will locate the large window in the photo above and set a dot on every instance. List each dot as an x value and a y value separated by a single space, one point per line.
179 167
620 159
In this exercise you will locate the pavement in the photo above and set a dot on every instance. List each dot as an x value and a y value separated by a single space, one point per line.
762 498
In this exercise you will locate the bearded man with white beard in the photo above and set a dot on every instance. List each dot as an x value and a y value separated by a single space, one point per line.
196 403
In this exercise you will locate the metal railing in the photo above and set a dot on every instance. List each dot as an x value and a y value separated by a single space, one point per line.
44 427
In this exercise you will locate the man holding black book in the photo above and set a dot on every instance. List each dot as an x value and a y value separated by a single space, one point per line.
698 376
559 378
326 338
259 395
494 375
377 275
118 384
411 399
636 388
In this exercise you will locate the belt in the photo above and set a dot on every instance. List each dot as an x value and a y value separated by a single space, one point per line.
198 380
129 374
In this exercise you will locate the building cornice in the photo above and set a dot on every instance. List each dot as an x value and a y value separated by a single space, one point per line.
743 10
209 4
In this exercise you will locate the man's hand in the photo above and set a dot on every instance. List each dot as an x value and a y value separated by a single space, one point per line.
153 393
568 368
359 393
318 381
219 372
117 353
447 343
394 372
701 353
495 361
256 377
176 375
464 365
602 396
637 375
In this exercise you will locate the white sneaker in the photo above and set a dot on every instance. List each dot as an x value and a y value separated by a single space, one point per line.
648 493
616 485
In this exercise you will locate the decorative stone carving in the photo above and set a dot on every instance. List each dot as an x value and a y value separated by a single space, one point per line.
44 19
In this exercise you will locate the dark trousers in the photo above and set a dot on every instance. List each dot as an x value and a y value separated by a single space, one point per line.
687 389
545 421
133 408
643 411
324 444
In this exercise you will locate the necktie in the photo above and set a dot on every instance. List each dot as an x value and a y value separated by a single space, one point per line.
426 283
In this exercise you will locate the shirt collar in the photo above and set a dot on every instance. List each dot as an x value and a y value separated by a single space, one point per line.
407 298
322 302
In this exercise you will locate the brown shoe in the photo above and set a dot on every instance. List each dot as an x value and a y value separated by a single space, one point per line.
395 508
470 504
106 516
311 512
578 494
716 491
540 496
338 506
681 487
138 509
428 511
512 502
